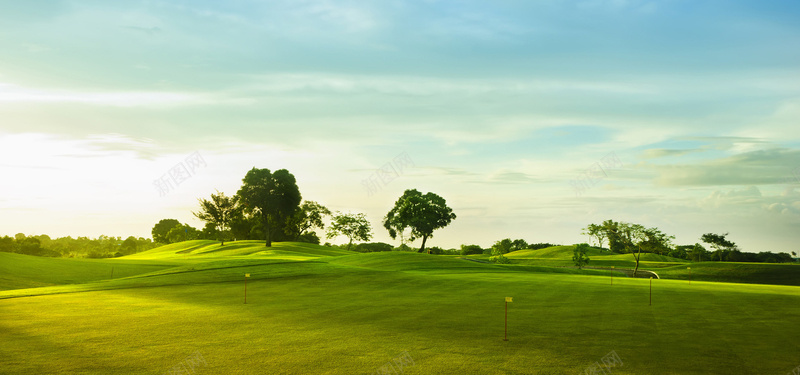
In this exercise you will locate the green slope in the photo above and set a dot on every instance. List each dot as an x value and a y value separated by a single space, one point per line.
193 249
23 271
552 252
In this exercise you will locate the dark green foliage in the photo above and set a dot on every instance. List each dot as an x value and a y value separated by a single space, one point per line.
8 245
373 247
471 249
519 244
182 233
403 247
310 237
579 256
541 245
102 247
161 229
722 247
128 246
30 246
502 246
423 214
274 197
307 217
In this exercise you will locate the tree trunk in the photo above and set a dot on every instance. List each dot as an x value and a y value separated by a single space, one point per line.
637 261
268 232
422 248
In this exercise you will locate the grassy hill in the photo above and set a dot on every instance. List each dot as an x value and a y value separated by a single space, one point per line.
24 271
192 249
307 312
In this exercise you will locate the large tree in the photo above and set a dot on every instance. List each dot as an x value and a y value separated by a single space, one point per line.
309 216
219 211
634 238
596 231
162 228
421 213
718 242
354 226
274 197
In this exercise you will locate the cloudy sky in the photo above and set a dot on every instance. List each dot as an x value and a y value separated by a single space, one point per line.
531 118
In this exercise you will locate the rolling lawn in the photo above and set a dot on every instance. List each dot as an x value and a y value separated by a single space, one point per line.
315 310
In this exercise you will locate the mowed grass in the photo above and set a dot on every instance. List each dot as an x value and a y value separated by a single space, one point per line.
352 314
22 271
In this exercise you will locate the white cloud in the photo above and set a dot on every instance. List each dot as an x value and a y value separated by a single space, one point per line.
17 94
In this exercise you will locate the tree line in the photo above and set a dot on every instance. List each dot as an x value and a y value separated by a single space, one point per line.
635 239
68 247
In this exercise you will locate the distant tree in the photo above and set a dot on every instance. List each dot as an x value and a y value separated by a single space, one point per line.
219 210
161 229
540 245
596 231
403 247
435 250
129 246
310 237
372 247
680 252
20 236
273 196
719 243
354 226
519 244
30 246
421 213
656 241
634 238
8 245
579 256
498 250
698 253
182 233
471 249
502 246
209 232
308 216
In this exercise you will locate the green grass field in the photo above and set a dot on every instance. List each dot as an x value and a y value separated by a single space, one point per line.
317 310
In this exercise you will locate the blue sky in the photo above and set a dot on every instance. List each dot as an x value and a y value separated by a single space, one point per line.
501 106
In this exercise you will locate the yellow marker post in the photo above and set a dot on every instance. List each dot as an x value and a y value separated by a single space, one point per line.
246 276
690 275
508 299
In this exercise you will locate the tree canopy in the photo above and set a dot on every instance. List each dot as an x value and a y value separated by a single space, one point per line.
161 229
354 226
273 196
220 210
421 213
